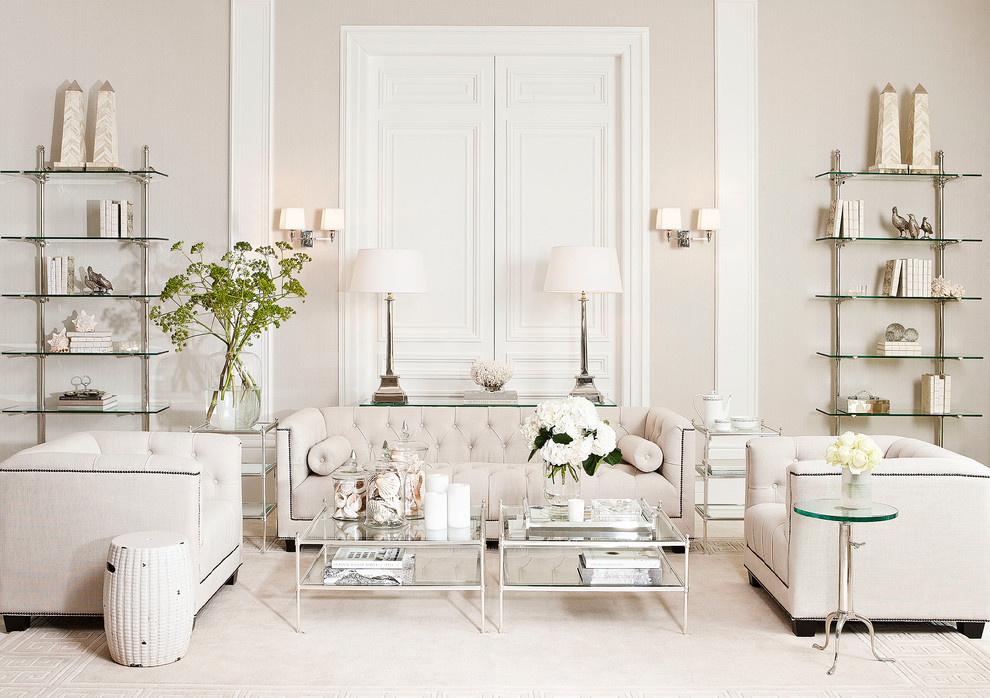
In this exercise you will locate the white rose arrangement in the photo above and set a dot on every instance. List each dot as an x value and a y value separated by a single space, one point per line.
854 451
490 374
568 434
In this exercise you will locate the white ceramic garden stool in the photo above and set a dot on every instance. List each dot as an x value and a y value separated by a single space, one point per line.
148 598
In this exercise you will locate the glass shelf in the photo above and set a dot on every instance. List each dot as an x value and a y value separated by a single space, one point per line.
31 352
123 407
942 299
931 241
930 357
80 295
461 402
83 174
898 413
905 175
74 238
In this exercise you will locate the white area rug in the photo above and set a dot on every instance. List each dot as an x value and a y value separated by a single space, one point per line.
391 643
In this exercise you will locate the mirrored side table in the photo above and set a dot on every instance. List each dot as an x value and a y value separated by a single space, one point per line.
830 510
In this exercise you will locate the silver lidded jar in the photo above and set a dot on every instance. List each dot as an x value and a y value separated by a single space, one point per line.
413 454
349 490
386 498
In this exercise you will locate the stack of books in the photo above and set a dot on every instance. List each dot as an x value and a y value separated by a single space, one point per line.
845 219
935 393
370 567
910 278
74 402
636 566
111 219
58 275
90 342
898 348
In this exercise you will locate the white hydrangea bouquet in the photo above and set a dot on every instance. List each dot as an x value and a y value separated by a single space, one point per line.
491 375
854 451
569 434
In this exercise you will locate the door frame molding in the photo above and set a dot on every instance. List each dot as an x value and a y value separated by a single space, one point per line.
630 47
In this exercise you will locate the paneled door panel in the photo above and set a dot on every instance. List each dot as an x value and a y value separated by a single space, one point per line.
556 157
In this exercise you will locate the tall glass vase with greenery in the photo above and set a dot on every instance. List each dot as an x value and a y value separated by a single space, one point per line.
234 300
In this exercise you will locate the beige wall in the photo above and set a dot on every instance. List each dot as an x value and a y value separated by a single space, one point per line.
821 67
819 73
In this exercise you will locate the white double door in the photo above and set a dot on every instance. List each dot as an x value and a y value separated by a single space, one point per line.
484 163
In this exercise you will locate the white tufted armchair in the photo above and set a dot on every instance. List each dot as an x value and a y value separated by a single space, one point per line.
482 446
62 502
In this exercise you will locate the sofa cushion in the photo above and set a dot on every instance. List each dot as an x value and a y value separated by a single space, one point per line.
766 535
328 455
643 454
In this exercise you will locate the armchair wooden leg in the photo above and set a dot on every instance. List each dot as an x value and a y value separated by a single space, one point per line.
233 578
753 581
290 545
971 629
16 623
805 628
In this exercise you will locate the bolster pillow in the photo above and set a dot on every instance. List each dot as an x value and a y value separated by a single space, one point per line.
328 455
643 454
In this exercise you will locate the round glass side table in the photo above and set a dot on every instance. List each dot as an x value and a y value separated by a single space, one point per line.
830 510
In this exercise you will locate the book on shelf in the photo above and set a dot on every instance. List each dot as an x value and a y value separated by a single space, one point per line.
370 558
846 230
107 402
936 393
627 577
631 558
337 576
898 348
834 220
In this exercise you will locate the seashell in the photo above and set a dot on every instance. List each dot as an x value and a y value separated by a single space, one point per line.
380 512
339 498
387 484
348 512
345 486
355 501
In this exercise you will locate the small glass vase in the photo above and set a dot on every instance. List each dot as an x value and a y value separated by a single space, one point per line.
233 390
560 483
856 491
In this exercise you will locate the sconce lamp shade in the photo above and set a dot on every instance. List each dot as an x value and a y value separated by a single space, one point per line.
709 219
332 219
292 219
388 270
668 219
583 269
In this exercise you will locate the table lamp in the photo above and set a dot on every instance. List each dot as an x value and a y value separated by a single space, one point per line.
387 271
583 270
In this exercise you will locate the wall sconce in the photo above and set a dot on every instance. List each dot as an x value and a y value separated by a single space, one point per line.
332 220
294 220
669 221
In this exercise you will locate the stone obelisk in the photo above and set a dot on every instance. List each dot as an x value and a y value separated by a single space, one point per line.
888 134
105 139
919 137
72 155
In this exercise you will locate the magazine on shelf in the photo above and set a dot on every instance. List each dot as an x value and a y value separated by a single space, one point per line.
370 558
633 558
626 577
337 576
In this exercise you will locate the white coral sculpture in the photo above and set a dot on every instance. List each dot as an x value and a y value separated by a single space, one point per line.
943 288
491 375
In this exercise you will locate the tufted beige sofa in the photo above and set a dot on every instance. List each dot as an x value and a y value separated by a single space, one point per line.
63 501
482 446
928 564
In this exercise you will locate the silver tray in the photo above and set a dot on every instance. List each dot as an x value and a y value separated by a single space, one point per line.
538 522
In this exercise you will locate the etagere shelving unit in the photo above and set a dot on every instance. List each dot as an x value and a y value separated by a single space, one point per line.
837 177
42 407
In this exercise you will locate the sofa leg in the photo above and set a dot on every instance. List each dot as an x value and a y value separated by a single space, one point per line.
290 545
971 629
753 581
233 578
16 623
805 628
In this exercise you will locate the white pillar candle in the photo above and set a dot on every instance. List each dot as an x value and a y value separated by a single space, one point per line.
458 505
435 504
575 510
437 482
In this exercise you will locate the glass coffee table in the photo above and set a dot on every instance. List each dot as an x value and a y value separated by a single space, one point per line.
830 510
537 553
446 560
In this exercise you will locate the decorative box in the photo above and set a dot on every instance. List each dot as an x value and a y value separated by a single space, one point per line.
865 403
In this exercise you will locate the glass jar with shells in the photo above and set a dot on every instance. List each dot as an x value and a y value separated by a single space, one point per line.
413 454
385 503
349 490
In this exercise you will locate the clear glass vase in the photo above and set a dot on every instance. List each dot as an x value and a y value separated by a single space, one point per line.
856 491
560 483
233 390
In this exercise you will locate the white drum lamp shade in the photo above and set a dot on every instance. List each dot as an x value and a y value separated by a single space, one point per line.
583 269
332 219
388 271
709 219
292 219
668 219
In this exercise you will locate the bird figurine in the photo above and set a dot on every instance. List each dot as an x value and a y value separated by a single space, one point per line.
927 228
899 223
914 230
97 283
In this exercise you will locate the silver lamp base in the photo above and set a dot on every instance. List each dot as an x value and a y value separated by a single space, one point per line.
585 387
389 391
